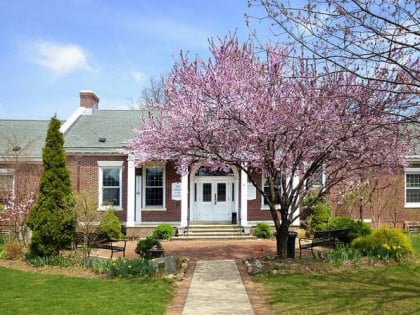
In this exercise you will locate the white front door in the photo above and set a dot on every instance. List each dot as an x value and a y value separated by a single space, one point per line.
214 199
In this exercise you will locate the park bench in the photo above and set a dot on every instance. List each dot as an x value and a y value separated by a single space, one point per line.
412 226
324 238
101 241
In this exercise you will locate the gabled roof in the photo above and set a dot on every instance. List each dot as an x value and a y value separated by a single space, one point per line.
22 138
102 131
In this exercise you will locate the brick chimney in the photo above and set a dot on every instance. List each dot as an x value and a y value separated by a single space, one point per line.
89 99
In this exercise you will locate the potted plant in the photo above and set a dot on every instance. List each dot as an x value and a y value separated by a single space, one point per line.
149 248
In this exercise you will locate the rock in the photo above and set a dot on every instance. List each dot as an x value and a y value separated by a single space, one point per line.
164 264
256 268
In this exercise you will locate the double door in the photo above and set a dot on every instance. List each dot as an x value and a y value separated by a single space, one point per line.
214 199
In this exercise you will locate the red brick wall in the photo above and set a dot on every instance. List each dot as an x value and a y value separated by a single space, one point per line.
84 175
386 207
255 213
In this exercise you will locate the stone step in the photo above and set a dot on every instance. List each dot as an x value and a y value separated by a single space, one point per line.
213 232
213 238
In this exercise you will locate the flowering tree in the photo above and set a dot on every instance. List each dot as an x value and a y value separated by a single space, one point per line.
14 213
355 35
281 118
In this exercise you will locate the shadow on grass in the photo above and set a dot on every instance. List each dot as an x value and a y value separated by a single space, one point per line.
382 290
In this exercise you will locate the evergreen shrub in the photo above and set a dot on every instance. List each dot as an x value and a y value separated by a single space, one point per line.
263 230
317 213
143 246
356 228
110 225
163 231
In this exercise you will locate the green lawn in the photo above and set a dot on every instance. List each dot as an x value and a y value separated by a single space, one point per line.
31 293
380 290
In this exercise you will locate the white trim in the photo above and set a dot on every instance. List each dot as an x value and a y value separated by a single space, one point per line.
410 170
244 199
9 172
264 206
109 164
75 116
196 179
131 194
144 168
138 199
184 200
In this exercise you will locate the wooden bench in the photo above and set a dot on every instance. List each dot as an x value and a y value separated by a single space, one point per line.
101 241
412 226
323 238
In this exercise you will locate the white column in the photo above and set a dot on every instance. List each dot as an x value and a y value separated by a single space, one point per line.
131 196
296 222
244 198
184 200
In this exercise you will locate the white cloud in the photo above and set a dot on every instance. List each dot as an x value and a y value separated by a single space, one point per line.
138 76
61 59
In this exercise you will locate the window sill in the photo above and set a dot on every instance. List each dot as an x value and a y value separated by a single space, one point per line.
412 205
266 208
105 208
153 209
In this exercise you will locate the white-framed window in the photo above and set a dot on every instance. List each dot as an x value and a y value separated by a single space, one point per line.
412 187
317 180
264 202
7 184
154 187
110 184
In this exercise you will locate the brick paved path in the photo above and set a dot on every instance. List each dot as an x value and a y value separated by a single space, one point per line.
215 250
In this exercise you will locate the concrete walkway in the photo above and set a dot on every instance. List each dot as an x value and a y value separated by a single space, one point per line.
217 288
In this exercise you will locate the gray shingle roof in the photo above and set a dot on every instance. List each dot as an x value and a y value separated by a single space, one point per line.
26 135
113 126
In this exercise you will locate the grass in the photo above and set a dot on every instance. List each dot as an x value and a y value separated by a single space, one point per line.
393 289
32 293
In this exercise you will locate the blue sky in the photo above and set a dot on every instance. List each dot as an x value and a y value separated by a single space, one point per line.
50 50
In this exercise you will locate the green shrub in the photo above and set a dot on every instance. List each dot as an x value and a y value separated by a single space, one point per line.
357 228
163 231
143 246
317 212
263 230
110 225
385 243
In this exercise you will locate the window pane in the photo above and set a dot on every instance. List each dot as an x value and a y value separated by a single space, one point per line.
268 194
154 196
154 177
207 192
6 183
154 187
111 196
221 192
413 195
111 177
413 180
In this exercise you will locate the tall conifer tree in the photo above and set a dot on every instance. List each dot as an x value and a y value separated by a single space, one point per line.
52 219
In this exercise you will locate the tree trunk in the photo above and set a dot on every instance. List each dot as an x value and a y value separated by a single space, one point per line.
282 235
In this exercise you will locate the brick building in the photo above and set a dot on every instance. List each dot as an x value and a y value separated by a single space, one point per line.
146 195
